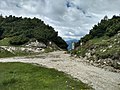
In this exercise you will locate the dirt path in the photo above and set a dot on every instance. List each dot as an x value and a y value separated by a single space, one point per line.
96 77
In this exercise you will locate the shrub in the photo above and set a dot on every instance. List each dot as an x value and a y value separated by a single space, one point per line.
19 40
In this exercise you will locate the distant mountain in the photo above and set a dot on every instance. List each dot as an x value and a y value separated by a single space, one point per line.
69 42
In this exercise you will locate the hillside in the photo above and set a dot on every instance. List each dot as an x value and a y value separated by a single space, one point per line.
101 47
97 78
19 31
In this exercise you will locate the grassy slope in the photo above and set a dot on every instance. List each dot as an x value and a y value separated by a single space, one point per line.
108 48
5 42
20 76
104 47
5 53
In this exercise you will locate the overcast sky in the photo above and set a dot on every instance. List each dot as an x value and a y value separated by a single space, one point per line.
71 18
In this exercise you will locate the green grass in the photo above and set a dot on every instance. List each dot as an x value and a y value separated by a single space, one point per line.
47 50
5 42
98 40
21 76
105 47
5 53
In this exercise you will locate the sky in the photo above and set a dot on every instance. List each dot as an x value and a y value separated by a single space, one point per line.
71 18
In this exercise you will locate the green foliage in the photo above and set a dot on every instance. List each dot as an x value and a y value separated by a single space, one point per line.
1 32
23 29
19 40
47 50
61 43
113 29
5 42
102 44
107 27
21 76
104 47
86 38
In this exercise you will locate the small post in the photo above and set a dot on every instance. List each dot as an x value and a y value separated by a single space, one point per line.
73 46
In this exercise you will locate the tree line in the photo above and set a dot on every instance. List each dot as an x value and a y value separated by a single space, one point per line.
107 27
21 30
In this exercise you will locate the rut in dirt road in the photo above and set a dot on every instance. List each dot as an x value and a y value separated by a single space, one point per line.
96 77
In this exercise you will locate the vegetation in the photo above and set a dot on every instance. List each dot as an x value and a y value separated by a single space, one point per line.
18 40
20 76
103 39
107 27
5 42
5 53
102 44
21 30
18 52
103 47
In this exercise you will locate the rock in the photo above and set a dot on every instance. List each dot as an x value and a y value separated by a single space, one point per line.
13 49
101 50
104 50
95 58
88 55
36 44
75 56
118 63
110 46
118 42
105 62
115 39
91 62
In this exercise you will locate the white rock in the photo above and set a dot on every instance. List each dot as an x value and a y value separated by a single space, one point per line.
104 50
110 46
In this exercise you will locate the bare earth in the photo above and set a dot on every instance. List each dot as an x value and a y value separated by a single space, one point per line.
96 77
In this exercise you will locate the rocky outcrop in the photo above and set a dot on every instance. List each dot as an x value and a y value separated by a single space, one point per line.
14 49
31 47
36 44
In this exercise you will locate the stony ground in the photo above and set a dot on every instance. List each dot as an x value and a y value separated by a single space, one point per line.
96 77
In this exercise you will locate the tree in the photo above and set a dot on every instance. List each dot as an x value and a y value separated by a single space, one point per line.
105 18
19 40
107 27
19 28
1 32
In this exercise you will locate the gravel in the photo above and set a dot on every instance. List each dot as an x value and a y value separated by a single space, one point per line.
99 79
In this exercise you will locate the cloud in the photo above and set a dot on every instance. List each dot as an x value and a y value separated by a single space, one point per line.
71 18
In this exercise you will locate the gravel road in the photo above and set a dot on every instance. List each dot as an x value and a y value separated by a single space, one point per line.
98 78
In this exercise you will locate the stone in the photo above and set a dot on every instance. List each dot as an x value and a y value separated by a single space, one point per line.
36 44
110 46
104 50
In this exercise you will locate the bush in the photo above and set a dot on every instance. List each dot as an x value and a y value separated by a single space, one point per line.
19 40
